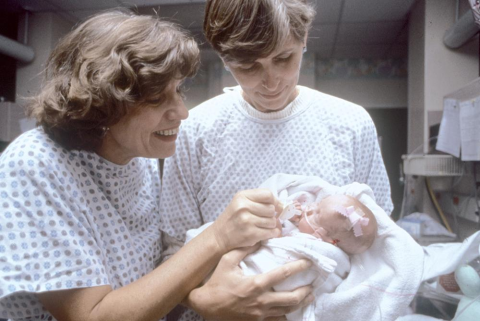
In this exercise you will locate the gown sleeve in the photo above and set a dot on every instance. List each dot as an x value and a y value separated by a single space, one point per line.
370 168
46 239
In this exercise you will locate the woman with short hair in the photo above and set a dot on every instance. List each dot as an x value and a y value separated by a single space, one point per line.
268 124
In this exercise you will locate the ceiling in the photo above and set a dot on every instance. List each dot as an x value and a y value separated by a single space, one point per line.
342 28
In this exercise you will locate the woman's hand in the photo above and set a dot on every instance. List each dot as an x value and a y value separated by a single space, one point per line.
248 219
230 295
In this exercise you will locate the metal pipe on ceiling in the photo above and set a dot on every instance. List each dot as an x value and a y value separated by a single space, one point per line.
461 32
16 50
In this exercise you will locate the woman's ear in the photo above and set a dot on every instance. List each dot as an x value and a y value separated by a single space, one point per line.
305 40
225 65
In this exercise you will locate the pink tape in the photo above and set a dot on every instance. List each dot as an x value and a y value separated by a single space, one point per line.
356 220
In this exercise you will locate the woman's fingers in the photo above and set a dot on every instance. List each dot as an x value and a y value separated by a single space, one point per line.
234 257
260 222
236 296
265 197
286 302
282 303
277 275
248 219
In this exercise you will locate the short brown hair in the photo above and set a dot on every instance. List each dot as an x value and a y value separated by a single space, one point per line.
106 68
245 30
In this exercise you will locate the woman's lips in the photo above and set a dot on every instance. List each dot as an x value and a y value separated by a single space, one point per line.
271 96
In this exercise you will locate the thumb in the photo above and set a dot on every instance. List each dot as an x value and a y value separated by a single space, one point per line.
278 207
234 257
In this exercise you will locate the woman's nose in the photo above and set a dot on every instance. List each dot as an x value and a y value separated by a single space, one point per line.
179 111
270 79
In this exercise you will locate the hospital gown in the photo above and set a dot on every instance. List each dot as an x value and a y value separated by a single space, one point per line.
226 146
72 220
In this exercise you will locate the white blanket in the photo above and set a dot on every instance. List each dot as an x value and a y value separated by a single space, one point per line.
376 285
330 266
382 281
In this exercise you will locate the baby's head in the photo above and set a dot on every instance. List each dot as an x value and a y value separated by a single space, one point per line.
327 220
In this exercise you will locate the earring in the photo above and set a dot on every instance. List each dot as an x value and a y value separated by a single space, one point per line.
105 130
227 69
304 49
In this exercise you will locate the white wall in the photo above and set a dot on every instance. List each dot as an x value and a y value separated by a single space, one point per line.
416 77
434 71
44 30
369 93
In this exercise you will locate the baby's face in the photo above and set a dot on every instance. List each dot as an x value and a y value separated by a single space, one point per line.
304 227
315 228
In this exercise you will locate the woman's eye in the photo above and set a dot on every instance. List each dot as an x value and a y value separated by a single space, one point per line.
248 68
156 101
181 92
283 59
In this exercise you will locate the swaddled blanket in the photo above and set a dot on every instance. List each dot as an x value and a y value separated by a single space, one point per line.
376 285
382 281
330 264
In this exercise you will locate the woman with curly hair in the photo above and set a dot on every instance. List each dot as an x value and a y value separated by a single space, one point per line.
79 195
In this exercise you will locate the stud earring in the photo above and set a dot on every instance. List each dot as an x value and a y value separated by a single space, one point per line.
304 49
105 130
227 69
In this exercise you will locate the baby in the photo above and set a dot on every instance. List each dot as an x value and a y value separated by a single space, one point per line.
314 218
337 219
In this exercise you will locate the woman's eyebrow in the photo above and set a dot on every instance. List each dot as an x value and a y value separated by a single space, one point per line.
284 52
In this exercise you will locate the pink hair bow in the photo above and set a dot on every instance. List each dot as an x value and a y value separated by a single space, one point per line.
356 220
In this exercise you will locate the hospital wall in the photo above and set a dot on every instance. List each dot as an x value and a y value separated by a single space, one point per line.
435 71
368 90
44 30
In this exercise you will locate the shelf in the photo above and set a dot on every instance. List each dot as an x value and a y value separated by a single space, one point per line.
432 165
469 91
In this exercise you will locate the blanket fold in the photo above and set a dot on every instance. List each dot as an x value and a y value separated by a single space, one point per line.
378 284
381 282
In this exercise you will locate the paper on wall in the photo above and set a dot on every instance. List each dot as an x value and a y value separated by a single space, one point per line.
470 129
449 140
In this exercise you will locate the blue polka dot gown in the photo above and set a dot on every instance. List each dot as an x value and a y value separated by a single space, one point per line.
71 220
226 146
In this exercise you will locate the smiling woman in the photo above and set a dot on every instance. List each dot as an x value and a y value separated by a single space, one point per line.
80 232
91 87
149 133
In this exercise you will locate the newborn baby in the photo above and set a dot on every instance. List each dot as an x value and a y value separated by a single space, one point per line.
337 219
322 226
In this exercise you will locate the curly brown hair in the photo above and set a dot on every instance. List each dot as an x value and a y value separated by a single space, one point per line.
106 68
245 30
